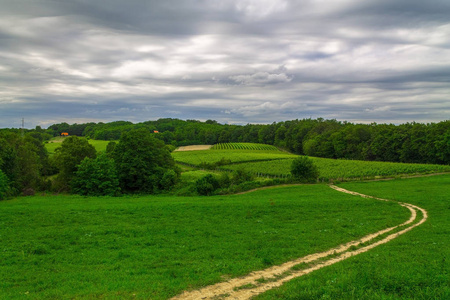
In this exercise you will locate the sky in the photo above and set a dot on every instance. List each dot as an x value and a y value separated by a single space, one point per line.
234 61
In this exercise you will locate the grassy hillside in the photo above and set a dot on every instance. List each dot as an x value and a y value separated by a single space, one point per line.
413 266
155 247
54 143
278 163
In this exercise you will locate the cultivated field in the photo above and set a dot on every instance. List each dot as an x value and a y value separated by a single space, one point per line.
244 146
276 163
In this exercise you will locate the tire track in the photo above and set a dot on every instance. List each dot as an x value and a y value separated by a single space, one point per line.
260 281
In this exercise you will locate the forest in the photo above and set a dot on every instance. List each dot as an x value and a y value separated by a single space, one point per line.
408 143
138 157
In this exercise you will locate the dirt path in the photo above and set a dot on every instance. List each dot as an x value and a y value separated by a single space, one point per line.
193 148
260 281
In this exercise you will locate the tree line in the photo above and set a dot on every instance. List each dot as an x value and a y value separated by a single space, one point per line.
138 160
138 163
408 143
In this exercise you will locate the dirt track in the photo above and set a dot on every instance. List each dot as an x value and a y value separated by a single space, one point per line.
193 148
252 284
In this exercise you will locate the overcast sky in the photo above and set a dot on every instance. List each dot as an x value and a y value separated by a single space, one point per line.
234 61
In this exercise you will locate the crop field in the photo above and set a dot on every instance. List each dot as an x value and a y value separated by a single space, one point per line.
155 247
278 163
341 169
243 146
412 266
235 156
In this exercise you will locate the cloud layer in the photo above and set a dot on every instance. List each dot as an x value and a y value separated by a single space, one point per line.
246 61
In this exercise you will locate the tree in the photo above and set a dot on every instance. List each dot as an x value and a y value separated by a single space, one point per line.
67 158
4 186
141 161
96 177
304 169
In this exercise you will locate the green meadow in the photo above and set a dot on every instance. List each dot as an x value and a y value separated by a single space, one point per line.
54 143
412 266
154 247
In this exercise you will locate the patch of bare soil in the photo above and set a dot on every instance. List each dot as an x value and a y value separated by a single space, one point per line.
260 281
193 148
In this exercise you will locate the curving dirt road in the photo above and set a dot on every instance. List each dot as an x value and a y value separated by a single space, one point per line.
260 281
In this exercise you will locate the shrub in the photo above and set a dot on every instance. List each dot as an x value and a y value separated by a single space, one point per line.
224 180
241 175
206 185
304 170
169 179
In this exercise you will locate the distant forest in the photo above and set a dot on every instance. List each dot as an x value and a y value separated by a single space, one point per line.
408 143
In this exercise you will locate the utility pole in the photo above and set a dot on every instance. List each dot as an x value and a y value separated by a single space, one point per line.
23 125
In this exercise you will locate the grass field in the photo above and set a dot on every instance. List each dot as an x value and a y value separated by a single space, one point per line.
60 247
51 146
413 266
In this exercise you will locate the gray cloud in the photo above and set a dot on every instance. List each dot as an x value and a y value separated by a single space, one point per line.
246 61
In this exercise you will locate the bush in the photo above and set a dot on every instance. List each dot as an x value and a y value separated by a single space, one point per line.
206 185
241 175
96 177
169 179
304 169
224 180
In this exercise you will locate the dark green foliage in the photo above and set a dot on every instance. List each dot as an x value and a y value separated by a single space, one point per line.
96 177
141 161
110 148
409 143
206 185
304 169
67 158
72 151
168 180
22 158
4 186
224 180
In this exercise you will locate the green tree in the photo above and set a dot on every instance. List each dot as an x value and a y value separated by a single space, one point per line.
304 169
110 148
141 161
67 158
4 186
96 177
